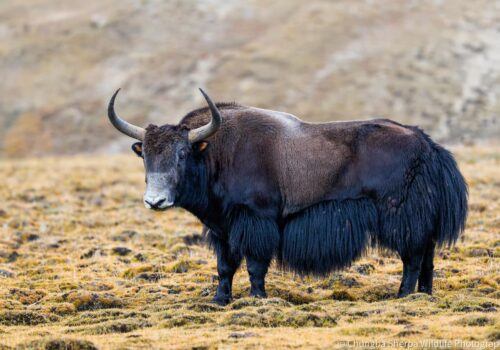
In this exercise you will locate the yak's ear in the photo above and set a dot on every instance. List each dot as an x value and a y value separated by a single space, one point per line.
137 148
199 147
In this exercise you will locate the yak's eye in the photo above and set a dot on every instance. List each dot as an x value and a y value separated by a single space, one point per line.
182 154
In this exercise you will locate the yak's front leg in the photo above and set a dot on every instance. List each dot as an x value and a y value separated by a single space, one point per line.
257 238
227 264
257 269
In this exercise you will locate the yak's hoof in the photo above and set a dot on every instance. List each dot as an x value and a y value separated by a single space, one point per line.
259 295
402 294
425 290
222 301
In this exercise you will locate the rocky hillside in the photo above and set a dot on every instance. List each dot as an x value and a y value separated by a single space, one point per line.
432 63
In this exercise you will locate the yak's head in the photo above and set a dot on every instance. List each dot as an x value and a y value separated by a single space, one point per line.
165 150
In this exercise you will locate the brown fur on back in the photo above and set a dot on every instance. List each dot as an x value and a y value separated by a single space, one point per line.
305 162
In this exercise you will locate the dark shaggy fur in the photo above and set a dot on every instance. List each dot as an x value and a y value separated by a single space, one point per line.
328 236
252 235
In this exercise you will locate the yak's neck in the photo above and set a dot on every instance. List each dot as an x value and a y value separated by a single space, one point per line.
194 191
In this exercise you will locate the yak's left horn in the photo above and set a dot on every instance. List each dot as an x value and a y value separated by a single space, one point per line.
126 128
209 129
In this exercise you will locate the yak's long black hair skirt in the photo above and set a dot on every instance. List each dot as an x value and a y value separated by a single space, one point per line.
327 236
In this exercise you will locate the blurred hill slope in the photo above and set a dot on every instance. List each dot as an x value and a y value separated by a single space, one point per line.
431 63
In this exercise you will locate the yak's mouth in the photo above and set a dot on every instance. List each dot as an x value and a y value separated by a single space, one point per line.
161 209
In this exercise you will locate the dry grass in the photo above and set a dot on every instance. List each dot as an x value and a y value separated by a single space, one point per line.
67 284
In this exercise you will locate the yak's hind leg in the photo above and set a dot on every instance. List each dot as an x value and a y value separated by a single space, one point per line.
257 269
411 270
427 270
228 263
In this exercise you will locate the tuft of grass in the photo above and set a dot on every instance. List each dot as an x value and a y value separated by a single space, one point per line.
366 331
116 326
186 320
58 344
494 335
83 300
309 319
379 292
205 307
342 295
475 320
25 318
98 316
254 302
245 319
27 296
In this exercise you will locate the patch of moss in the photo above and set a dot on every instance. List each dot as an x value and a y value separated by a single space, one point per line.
473 305
249 302
58 344
134 271
280 318
339 280
342 295
181 266
66 286
366 331
27 296
184 320
418 297
378 293
478 251
247 319
407 333
493 335
61 309
179 249
312 307
309 319
99 316
24 318
205 307
118 326
292 296
475 320
83 300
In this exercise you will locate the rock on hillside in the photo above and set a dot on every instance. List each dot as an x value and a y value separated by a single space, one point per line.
431 63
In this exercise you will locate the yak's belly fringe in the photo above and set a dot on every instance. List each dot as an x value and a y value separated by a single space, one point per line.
328 236
252 235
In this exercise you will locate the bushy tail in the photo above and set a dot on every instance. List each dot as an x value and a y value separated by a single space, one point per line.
453 195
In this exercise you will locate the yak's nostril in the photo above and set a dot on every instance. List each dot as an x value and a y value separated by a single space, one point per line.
155 204
159 203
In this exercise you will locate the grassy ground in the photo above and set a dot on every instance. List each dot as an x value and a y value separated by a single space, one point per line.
84 265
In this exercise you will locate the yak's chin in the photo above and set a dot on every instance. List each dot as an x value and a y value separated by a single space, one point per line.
161 209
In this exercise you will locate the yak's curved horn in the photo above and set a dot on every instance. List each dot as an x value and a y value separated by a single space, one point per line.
209 129
126 128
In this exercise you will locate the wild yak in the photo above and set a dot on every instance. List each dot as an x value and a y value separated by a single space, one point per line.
312 196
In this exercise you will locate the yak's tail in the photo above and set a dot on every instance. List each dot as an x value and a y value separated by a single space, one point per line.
451 195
